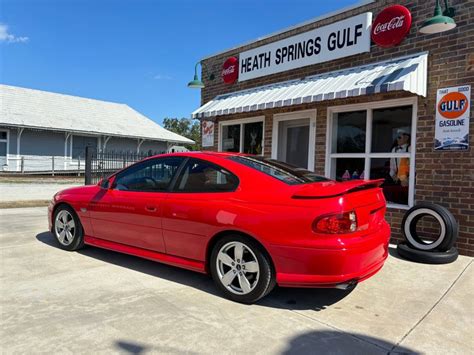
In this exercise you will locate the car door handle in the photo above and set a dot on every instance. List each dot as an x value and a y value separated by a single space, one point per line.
150 208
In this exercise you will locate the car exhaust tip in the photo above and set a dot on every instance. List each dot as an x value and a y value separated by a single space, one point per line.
351 284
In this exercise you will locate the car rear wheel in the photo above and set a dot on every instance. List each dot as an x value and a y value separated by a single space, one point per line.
241 270
67 228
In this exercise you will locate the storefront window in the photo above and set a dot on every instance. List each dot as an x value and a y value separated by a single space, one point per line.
244 137
388 124
396 183
348 168
253 133
231 138
386 154
349 132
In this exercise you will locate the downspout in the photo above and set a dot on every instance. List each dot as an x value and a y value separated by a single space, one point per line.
67 136
140 142
18 146
105 143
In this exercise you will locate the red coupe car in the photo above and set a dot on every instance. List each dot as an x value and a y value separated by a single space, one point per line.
249 221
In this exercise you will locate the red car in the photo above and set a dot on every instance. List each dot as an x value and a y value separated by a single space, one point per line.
249 221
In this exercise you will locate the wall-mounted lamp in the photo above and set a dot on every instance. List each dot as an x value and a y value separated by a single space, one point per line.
441 20
196 83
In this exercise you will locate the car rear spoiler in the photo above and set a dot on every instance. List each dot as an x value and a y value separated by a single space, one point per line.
333 189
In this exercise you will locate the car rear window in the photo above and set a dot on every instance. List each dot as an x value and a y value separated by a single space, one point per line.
287 173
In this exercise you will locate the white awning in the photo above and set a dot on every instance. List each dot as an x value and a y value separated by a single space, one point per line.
407 74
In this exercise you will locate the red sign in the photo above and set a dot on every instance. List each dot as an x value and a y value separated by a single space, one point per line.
230 70
391 26
453 105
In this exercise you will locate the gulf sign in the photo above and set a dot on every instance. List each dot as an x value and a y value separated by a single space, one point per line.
453 105
452 118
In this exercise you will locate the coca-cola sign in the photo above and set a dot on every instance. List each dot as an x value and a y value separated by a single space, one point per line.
230 70
391 26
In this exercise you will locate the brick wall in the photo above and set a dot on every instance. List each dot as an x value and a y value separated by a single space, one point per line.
446 178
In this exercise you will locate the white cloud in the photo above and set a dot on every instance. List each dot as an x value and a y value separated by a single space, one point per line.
162 77
8 37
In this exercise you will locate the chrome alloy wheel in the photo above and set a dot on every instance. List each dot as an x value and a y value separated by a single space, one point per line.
64 227
237 268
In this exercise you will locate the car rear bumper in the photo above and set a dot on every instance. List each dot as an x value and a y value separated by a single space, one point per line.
328 268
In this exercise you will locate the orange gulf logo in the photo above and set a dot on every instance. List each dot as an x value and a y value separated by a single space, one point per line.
453 105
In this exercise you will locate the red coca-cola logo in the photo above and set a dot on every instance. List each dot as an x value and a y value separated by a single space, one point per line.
391 26
230 70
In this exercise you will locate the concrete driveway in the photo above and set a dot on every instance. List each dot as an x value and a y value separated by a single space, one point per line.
97 301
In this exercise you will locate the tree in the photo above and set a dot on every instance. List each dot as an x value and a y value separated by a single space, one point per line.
185 127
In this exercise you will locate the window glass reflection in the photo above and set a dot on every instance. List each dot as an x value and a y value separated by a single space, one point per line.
231 138
391 129
349 132
348 168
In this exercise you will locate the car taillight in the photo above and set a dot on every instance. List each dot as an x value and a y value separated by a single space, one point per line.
336 223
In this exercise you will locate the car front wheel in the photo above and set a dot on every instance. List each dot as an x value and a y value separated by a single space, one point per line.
241 270
67 228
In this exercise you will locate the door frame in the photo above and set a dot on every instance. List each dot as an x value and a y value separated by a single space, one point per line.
297 115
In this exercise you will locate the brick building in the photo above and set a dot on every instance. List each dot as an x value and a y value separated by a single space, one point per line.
342 116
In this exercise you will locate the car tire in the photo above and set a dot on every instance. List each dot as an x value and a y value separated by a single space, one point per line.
448 227
427 257
67 228
229 274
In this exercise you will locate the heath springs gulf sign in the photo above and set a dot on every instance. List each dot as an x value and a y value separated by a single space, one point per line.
337 40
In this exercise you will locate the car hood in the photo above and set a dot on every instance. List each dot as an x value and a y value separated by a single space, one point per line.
79 190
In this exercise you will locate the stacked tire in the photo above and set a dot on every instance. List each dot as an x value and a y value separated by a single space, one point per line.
439 251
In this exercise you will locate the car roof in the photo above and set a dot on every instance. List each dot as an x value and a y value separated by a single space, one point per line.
198 154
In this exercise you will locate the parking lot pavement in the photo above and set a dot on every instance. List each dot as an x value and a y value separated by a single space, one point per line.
97 301
30 191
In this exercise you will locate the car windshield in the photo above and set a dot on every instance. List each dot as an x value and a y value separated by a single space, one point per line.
289 174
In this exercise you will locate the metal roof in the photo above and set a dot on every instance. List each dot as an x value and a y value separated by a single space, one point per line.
407 73
21 107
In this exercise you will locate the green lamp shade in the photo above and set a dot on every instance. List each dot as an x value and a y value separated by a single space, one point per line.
437 24
196 84
440 21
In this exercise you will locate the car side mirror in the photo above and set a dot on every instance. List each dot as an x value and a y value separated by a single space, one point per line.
105 184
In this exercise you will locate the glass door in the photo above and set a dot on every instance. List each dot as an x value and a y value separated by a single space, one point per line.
293 142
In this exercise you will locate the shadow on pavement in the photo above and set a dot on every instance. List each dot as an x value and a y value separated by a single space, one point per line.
286 298
335 342
128 347
392 250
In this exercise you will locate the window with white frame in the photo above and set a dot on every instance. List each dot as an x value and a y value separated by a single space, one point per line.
3 143
242 136
374 142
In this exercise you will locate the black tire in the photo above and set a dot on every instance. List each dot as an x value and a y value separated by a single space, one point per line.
266 275
448 227
77 240
427 257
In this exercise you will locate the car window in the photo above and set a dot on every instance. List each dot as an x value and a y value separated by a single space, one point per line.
282 171
152 175
201 176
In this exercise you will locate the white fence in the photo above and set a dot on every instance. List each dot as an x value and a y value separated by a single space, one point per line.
35 163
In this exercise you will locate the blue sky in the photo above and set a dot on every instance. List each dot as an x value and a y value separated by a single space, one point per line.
139 52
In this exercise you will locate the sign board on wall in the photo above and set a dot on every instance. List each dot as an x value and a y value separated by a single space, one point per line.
230 70
452 118
207 133
391 26
337 40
